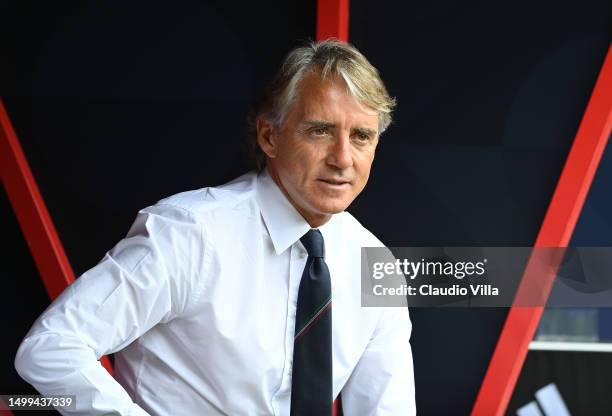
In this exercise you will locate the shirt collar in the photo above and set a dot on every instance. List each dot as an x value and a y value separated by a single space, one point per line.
285 224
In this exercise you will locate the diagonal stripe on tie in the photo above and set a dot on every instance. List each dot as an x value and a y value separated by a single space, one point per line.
313 319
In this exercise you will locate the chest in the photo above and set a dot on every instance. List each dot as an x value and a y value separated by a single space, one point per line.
245 317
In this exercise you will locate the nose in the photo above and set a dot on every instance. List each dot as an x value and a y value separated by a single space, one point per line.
339 153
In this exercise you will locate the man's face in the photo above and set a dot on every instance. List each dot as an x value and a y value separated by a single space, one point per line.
322 154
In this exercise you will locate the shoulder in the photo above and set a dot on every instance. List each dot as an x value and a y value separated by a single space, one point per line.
235 196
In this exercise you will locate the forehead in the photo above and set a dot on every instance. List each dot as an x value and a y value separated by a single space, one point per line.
331 100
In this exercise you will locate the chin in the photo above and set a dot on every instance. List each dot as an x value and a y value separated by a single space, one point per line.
330 208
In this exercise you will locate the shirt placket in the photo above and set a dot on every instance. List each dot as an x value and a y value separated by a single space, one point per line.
297 261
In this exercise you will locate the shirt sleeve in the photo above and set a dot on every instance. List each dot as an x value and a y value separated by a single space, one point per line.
382 383
149 277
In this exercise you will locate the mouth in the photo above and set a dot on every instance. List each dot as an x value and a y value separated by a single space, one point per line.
335 183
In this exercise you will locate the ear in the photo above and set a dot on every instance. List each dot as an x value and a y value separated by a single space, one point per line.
267 137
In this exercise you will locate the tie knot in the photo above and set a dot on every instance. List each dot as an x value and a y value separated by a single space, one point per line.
313 243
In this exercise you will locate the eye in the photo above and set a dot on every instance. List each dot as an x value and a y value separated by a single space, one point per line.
361 136
319 131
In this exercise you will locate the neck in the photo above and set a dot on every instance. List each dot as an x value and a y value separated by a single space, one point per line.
315 220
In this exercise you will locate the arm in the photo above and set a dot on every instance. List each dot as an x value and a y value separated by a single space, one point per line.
382 383
144 280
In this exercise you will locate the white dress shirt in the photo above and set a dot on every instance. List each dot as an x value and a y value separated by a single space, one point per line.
199 301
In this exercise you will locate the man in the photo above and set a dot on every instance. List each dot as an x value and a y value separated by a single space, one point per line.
219 300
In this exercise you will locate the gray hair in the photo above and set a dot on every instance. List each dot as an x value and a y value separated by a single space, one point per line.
328 57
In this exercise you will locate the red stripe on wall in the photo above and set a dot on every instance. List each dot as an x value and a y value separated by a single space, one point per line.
32 214
332 19
556 231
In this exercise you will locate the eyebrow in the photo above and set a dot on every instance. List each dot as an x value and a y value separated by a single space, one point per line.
327 124
364 130
318 123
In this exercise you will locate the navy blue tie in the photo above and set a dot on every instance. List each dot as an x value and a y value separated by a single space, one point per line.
311 385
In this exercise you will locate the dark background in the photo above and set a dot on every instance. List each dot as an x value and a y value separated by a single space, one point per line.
119 104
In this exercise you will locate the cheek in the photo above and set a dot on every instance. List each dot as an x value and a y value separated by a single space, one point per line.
363 162
304 156
294 161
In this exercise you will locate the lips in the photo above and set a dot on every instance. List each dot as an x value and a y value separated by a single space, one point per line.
333 181
334 184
